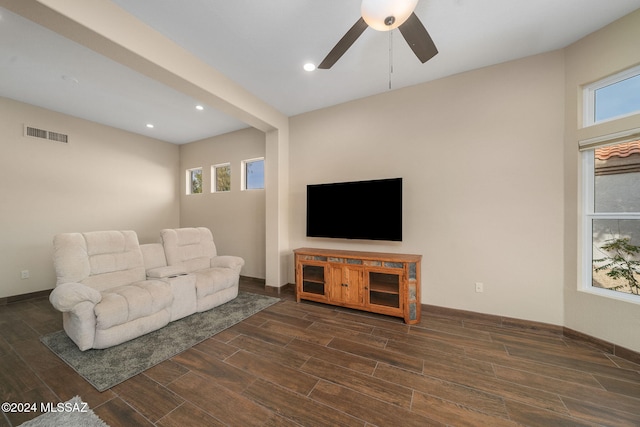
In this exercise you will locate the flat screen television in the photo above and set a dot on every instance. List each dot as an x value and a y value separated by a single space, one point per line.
367 210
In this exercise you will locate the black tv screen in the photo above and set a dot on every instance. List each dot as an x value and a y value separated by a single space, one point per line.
368 210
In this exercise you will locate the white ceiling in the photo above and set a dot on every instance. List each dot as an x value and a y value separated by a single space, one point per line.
262 45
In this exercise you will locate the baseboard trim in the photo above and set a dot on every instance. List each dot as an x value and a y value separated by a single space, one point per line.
493 319
536 327
616 350
25 297
275 290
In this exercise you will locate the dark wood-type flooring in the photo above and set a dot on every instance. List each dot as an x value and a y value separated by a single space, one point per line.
315 365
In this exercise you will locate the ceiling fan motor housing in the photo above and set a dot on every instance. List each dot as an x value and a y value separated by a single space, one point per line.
386 15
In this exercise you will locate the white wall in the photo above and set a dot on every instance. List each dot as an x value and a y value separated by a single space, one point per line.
481 157
103 179
603 53
236 218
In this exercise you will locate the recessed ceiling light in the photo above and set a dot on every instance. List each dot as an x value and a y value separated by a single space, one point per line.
309 66
150 125
199 107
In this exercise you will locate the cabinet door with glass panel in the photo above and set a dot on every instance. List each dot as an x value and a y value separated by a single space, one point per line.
312 281
383 290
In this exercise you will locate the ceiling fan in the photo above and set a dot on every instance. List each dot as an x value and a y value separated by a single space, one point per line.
386 15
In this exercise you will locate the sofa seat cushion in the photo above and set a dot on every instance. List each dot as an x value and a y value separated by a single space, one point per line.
212 280
130 302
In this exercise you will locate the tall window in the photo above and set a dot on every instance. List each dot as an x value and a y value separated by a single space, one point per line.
194 181
221 176
614 97
612 218
253 174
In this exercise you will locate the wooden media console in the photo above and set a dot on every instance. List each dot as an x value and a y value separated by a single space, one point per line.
385 283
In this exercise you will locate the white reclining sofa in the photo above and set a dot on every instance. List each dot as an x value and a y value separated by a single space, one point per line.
193 251
109 292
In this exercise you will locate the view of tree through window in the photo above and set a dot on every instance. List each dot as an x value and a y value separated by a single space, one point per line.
222 177
615 220
195 180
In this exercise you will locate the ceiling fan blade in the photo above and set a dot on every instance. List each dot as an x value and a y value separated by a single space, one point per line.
418 38
345 43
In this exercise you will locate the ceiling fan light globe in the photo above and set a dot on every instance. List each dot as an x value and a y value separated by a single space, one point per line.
376 12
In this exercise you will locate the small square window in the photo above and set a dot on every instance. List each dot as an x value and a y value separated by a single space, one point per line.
221 175
253 174
194 181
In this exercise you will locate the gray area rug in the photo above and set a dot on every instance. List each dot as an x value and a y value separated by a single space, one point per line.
106 368
73 413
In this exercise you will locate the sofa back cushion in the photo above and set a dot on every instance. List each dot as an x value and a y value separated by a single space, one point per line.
100 259
190 248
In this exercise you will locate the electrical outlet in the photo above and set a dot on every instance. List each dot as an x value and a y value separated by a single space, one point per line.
24 274
479 287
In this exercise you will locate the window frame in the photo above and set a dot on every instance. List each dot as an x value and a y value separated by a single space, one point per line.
214 177
189 177
244 173
589 216
589 96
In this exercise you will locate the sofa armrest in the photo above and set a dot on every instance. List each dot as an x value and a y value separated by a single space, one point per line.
228 261
67 296
164 272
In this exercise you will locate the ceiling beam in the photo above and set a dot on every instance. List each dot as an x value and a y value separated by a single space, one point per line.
109 30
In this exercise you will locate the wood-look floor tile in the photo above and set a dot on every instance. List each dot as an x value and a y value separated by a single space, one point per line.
457 360
219 402
391 323
458 330
286 356
274 372
373 411
628 388
208 366
215 348
558 372
16 378
37 355
17 331
165 372
188 415
66 383
329 320
274 316
5 347
506 389
296 332
429 344
454 339
349 334
377 388
590 360
116 413
262 334
336 357
480 401
535 416
601 415
456 369
298 408
452 413
148 397
566 389
389 357
37 396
